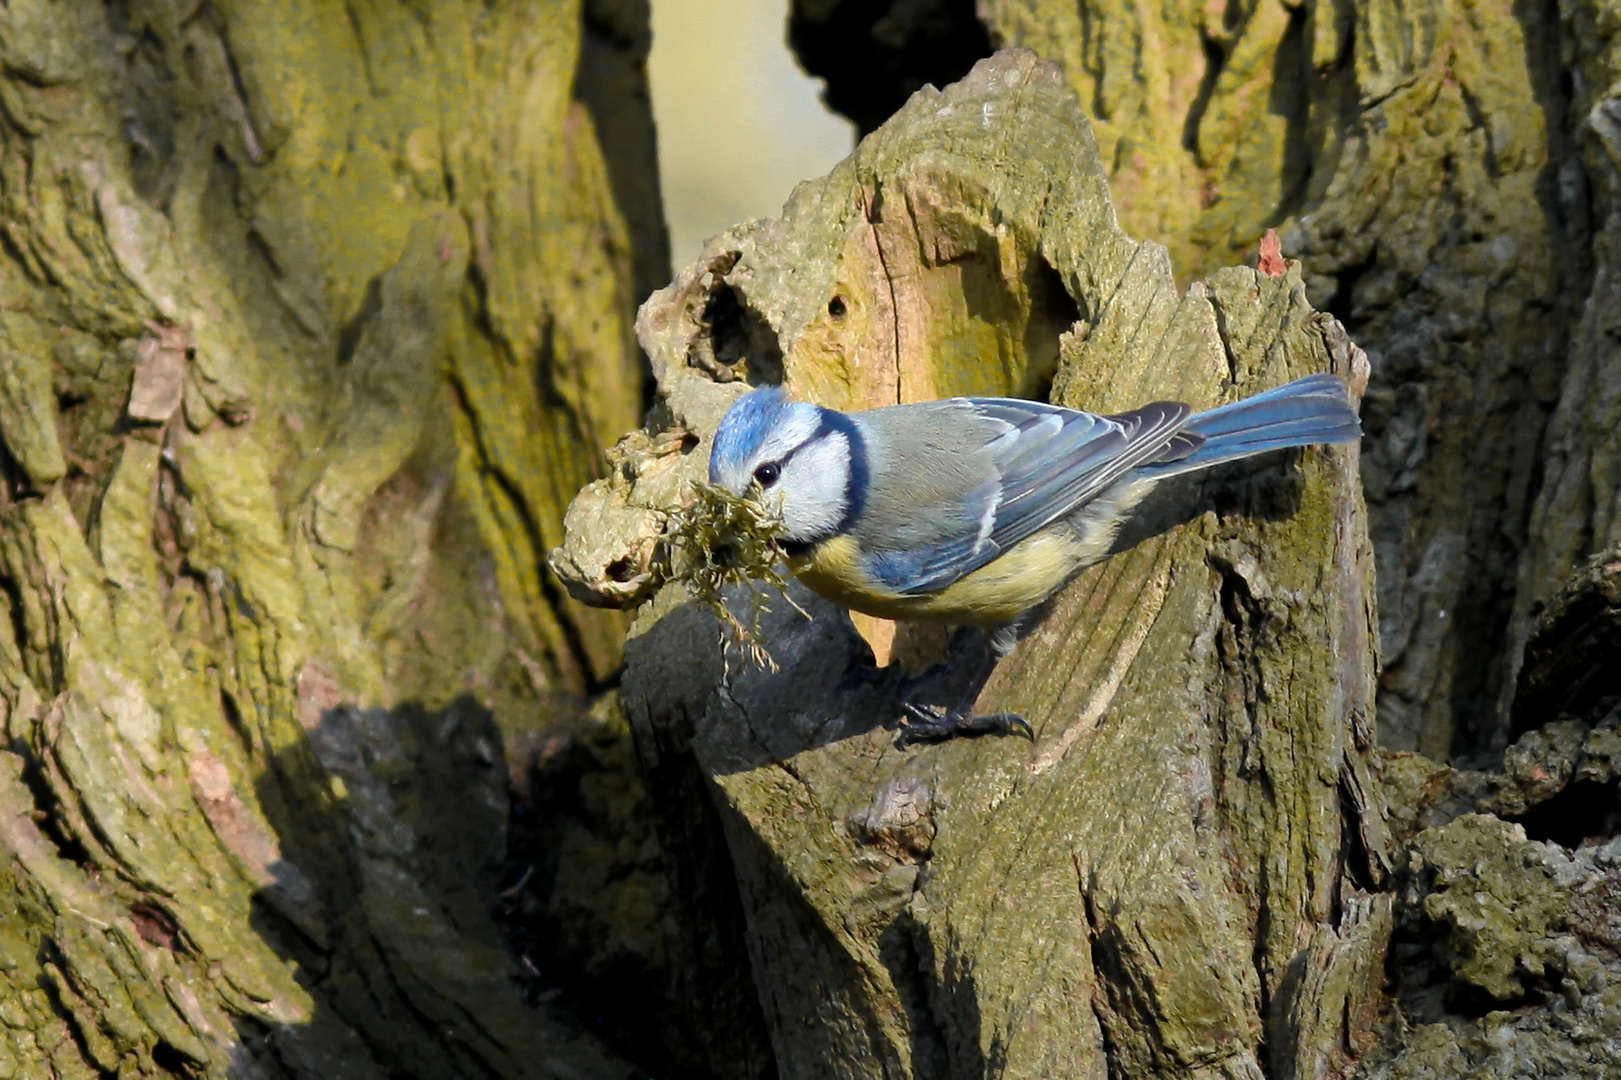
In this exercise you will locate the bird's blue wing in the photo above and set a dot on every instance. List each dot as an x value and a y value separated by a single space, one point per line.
1049 479
1044 462
926 568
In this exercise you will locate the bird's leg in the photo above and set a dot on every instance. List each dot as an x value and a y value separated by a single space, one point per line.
971 657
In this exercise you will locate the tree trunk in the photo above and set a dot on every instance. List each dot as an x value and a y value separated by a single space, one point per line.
1176 879
1577 510
315 317
1426 164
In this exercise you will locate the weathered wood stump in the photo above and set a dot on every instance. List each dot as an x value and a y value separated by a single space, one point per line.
1180 876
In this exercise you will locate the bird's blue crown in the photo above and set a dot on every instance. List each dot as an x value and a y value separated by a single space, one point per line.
744 428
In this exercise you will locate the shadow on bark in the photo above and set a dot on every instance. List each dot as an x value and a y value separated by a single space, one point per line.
390 924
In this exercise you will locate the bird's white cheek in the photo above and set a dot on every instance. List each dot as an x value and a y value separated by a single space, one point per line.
814 485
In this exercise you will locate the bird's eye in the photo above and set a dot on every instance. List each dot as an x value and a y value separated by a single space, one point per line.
767 474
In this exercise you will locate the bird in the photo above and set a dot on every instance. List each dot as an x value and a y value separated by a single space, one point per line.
975 511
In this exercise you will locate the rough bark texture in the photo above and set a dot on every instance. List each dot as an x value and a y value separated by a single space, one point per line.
1449 200
314 317
1578 507
1177 877
1506 956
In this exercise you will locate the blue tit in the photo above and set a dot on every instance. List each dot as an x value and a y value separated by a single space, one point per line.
974 511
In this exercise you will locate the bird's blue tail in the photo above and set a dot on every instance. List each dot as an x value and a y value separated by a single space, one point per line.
1301 413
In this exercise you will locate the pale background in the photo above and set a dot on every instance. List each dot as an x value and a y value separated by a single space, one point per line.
739 124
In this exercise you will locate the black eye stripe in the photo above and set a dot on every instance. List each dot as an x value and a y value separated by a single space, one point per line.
782 462
855 488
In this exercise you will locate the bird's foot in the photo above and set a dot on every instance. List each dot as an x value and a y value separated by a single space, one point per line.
931 723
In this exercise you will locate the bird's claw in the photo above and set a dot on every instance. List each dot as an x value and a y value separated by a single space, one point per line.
931 723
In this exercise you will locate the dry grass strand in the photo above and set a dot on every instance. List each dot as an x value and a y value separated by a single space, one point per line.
720 539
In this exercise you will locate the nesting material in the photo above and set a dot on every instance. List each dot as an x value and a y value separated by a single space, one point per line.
720 539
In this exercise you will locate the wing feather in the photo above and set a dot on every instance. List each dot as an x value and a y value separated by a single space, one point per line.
1038 489
1045 462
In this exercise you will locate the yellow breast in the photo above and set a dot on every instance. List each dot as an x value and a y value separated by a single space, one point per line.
1021 578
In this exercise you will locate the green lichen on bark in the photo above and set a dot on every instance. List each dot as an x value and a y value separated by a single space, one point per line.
1499 895
1504 956
316 316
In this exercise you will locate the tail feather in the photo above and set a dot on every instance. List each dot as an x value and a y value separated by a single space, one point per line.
1307 411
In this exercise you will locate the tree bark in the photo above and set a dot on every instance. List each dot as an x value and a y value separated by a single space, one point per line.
1577 511
1177 877
315 316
